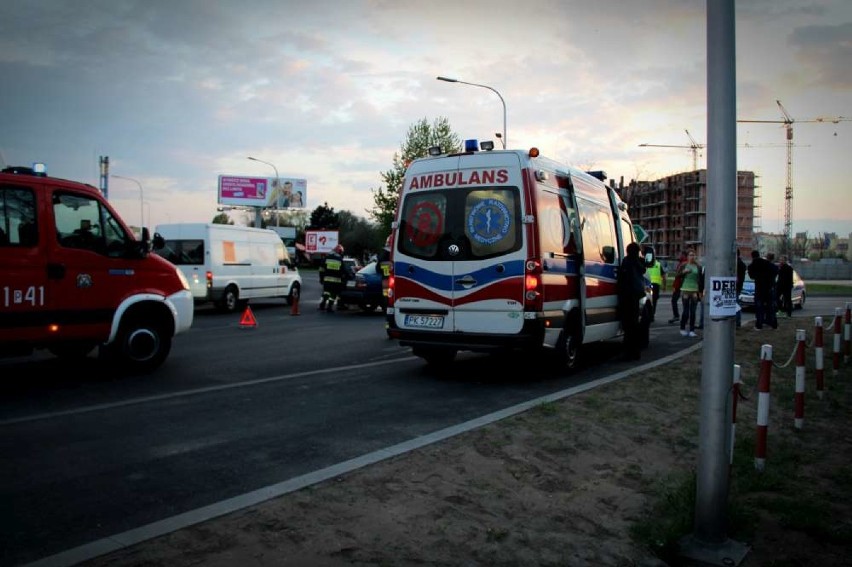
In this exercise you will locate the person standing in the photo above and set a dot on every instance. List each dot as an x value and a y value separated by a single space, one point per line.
678 280
741 272
657 275
761 271
691 290
631 288
383 267
331 274
785 287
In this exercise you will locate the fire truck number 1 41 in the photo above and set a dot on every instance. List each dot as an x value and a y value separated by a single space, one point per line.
34 295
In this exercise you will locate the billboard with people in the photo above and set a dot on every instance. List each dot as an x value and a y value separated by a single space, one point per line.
265 192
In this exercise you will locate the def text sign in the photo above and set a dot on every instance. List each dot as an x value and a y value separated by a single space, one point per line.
723 297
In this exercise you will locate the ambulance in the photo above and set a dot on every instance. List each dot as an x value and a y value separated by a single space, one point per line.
501 250
74 278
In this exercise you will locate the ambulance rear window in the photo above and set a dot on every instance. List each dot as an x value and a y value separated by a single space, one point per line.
462 224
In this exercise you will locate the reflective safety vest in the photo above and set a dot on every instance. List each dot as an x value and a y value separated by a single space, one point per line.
655 272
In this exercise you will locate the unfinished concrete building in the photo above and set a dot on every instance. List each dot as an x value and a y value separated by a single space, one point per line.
673 211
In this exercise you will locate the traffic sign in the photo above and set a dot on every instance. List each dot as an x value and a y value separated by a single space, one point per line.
248 321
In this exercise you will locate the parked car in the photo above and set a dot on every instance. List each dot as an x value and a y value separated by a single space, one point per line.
365 290
798 296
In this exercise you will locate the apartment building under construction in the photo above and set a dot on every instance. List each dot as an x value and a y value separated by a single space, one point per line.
673 211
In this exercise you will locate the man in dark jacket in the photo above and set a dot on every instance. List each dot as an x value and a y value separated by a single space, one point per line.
785 287
631 289
763 273
741 273
331 274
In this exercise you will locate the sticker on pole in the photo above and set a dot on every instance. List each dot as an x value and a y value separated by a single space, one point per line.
723 297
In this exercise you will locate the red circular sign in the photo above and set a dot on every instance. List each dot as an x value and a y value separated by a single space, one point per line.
424 224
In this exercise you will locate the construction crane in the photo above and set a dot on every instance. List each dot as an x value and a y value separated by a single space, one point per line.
693 147
788 190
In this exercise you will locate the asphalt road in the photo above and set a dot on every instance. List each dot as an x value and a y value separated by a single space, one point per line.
238 415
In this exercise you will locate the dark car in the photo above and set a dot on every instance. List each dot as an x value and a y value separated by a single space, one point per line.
365 290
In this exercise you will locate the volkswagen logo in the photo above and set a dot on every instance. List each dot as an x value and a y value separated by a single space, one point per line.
453 249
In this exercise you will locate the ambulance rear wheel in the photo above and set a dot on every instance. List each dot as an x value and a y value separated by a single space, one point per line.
435 356
567 352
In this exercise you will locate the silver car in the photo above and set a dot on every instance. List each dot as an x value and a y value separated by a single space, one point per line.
798 296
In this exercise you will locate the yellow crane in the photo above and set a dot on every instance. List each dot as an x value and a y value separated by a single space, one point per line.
693 147
788 190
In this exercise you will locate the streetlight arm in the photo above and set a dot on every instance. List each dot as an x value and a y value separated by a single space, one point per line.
141 199
449 80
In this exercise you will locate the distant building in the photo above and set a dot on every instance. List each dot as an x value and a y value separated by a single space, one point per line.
673 211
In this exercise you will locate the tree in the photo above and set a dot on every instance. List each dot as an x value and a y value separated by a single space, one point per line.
421 136
324 218
222 218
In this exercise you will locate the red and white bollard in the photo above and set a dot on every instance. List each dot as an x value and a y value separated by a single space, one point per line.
763 406
818 356
736 393
837 333
847 333
799 399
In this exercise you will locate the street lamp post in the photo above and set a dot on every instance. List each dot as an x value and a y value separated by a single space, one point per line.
278 184
449 80
141 200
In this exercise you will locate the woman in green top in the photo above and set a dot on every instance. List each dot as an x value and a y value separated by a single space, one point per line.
691 290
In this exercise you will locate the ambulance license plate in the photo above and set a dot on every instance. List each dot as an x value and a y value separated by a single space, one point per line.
430 321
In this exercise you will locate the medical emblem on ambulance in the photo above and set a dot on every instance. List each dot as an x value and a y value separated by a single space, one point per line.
489 221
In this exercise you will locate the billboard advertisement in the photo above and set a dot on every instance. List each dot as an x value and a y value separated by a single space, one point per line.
320 241
265 192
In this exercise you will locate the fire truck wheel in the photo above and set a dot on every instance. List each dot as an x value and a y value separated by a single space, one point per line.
140 347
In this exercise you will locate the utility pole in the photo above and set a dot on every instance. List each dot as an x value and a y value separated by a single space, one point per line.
104 180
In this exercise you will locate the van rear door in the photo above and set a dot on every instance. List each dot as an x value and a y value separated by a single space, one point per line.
459 264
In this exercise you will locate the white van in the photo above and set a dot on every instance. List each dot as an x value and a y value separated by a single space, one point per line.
230 265
506 250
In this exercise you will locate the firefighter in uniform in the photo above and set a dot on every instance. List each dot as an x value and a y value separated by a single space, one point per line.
657 275
383 267
331 278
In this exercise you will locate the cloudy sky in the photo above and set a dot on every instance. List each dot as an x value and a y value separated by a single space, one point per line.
178 92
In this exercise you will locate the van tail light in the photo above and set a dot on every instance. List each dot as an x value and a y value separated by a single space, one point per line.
533 300
209 280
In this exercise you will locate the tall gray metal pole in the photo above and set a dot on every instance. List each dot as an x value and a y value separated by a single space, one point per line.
709 542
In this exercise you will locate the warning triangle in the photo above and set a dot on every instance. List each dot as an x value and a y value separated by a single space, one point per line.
248 319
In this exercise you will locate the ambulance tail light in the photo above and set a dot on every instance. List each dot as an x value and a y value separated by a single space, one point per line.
391 285
532 285
209 277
